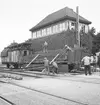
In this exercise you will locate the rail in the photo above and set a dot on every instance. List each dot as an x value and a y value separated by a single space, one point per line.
49 94
6 100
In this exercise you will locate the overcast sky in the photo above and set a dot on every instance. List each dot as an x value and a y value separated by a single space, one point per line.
18 16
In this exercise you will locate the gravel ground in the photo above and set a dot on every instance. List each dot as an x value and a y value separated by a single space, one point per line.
84 89
80 88
21 96
2 102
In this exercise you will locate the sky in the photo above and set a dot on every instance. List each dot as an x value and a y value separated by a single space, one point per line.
18 16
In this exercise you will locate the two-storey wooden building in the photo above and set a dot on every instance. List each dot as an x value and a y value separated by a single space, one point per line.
59 21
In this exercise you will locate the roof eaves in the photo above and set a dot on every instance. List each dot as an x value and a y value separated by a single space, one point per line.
55 21
47 24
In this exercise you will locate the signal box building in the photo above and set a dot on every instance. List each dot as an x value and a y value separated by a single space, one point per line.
57 29
58 22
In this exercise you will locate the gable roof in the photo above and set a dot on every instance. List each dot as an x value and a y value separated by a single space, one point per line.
65 13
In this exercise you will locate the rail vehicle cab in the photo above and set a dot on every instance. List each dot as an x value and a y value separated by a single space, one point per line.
12 56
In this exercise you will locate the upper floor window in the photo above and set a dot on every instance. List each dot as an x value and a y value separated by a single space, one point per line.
44 31
34 35
72 23
54 29
62 26
49 31
86 28
66 25
80 27
83 28
38 33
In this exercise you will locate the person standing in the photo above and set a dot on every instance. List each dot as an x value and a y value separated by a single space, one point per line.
67 48
46 65
94 61
99 61
45 45
87 60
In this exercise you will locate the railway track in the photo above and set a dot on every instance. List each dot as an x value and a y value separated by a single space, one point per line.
42 92
76 78
27 73
81 79
6 101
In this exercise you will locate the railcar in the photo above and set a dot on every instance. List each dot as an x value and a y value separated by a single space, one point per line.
12 56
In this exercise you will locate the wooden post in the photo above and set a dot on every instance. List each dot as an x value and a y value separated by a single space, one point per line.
33 60
54 58
77 22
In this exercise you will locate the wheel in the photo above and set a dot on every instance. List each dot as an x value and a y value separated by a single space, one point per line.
8 65
15 66
70 67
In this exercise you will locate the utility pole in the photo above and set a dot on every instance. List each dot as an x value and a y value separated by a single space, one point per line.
77 27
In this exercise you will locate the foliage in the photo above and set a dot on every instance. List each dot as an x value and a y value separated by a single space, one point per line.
91 40
92 31
96 43
86 39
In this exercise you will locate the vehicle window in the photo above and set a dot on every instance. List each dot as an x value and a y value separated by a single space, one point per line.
25 53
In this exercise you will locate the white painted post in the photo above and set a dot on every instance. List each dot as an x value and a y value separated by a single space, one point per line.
54 58
33 60
78 35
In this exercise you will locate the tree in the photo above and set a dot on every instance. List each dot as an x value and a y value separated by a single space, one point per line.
92 31
96 43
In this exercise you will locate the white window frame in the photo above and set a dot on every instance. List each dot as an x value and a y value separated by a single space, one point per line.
34 35
39 33
66 25
54 29
57 28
